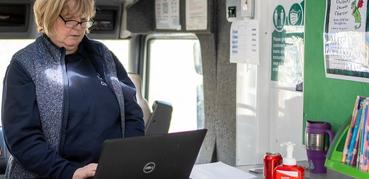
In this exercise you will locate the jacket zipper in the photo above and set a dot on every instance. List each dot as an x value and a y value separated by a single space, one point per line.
65 104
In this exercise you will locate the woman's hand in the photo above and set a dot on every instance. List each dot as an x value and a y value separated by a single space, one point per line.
85 172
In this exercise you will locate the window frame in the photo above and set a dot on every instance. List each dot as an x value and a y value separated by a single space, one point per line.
145 63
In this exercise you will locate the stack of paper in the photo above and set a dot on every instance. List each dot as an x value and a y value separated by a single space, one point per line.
218 170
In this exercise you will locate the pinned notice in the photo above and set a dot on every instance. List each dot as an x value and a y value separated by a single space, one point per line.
244 42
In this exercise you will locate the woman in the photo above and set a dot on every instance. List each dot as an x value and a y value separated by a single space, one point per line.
64 94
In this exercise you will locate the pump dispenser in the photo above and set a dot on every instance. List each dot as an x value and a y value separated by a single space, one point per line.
289 160
289 169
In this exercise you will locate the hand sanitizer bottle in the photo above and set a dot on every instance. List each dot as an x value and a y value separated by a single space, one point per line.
289 169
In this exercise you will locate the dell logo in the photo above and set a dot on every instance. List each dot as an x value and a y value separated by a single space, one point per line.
149 167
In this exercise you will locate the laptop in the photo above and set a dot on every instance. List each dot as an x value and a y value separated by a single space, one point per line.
168 156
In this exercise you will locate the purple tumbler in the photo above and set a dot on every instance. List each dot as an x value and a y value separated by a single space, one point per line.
317 134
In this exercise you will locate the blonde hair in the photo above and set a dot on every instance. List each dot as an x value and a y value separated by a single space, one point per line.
48 11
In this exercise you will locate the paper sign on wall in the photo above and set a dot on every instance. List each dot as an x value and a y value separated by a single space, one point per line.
346 40
244 42
287 50
167 14
196 14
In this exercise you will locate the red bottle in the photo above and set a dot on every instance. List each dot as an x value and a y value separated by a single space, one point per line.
289 169
289 172
271 160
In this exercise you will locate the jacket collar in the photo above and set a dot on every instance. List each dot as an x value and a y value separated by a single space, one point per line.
47 47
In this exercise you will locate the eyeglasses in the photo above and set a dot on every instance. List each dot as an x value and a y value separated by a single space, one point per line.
74 23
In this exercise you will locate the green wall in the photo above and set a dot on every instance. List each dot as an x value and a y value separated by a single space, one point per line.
324 98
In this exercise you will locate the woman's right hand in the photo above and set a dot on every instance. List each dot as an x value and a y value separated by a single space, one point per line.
85 172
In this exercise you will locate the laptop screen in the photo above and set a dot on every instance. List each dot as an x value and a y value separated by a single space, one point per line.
165 156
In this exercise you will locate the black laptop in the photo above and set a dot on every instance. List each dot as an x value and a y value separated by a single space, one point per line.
168 156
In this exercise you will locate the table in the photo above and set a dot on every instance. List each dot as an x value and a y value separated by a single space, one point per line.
308 175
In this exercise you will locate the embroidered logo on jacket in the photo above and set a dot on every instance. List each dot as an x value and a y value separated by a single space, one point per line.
102 82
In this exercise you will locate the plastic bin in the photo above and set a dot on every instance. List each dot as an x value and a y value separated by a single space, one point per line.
334 155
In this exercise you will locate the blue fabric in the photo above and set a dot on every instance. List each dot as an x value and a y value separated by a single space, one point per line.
93 111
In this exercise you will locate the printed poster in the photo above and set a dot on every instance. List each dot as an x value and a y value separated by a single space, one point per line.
244 43
287 53
346 40
196 14
167 14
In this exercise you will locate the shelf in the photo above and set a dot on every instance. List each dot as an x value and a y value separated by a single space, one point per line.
334 156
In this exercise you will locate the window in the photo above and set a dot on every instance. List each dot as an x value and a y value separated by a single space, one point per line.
174 75
120 49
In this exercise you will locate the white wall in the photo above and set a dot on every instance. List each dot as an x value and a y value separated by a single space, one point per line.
267 115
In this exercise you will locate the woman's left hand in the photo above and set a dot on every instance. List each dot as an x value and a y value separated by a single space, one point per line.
85 172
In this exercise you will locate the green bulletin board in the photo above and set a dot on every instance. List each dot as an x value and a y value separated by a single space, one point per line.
325 99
